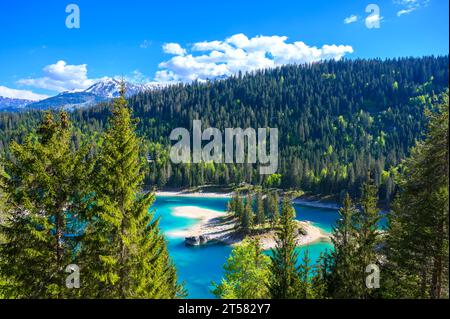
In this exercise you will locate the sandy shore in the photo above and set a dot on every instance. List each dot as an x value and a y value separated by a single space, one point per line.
194 194
219 227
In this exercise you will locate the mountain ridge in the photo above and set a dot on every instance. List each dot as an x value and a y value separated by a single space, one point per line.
101 91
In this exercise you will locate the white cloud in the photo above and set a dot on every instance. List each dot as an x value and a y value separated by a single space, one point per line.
61 77
350 19
374 20
173 48
20 94
211 59
405 11
410 6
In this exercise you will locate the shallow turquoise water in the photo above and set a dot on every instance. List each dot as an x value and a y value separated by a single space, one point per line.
199 266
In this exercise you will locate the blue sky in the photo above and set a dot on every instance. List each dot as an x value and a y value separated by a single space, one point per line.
185 40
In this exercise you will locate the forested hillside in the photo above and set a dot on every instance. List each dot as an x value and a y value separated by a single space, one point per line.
336 121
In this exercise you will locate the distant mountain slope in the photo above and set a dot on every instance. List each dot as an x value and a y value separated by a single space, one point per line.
67 101
11 105
101 91
337 120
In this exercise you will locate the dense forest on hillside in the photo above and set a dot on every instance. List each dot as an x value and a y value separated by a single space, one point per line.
336 121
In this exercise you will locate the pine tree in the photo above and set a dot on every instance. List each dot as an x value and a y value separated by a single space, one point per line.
417 246
305 290
260 214
125 254
246 273
285 281
272 209
247 216
368 236
341 262
40 229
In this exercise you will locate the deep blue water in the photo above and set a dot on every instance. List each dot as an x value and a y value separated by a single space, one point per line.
199 266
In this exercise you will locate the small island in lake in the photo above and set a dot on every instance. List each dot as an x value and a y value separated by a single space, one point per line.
217 227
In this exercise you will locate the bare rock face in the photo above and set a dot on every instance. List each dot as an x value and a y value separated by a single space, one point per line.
196 240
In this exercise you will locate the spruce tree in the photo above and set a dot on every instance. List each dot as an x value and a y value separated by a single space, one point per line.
260 214
125 254
368 236
305 289
285 281
341 262
43 197
247 217
417 246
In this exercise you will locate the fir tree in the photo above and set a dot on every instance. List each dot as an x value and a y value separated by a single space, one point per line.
368 236
44 190
285 281
125 254
341 262
260 214
247 216
417 243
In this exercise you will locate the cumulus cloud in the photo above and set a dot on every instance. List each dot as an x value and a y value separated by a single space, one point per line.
173 48
350 19
212 59
61 77
410 6
20 94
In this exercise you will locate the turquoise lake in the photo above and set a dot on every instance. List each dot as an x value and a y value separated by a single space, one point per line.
199 266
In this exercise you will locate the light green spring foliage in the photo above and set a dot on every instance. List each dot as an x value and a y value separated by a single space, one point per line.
417 243
124 250
44 186
246 273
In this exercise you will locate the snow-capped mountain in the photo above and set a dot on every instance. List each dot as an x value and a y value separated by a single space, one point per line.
10 104
101 91
110 88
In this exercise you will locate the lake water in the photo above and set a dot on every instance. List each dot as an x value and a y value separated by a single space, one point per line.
199 266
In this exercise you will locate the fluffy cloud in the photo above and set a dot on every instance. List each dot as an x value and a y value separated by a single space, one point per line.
373 20
20 94
61 77
212 59
410 5
350 19
173 48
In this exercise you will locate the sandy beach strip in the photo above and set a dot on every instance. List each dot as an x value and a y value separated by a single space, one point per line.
216 226
194 194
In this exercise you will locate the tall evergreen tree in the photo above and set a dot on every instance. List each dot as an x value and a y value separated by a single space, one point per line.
305 290
125 254
247 217
39 228
341 263
285 281
417 243
368 236
260 214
